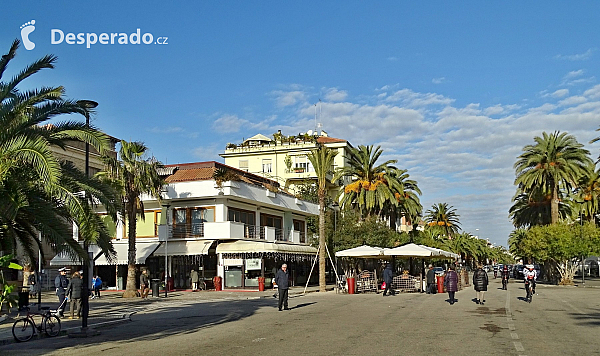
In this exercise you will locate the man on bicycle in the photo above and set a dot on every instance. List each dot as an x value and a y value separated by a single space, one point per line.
530 276
495 270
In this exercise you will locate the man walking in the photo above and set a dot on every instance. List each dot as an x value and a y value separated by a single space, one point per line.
74 291
61 282
480 283
451 282
194 278
388 278
430 280
281 279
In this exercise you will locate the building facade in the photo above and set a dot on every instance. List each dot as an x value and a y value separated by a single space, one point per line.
239 230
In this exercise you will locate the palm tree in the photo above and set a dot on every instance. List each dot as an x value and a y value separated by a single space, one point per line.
373 184
37 192
515 240
408 204
588 193
557 161
533 208
134 175
321 159
445 217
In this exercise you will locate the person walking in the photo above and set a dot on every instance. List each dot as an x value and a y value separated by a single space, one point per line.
282 281
480 283
97 284
61 282
33 284
431 280
144 284
194 278
73 292
451 283
388 278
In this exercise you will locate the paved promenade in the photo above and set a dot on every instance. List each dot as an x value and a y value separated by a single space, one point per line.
559 321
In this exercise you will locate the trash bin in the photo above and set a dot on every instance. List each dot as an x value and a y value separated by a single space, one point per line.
217 281
155 284
23 298
440 284
351 285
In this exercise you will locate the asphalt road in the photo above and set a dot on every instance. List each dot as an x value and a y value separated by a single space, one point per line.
559 321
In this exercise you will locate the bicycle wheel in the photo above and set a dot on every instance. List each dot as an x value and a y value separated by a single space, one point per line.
23 330
52 325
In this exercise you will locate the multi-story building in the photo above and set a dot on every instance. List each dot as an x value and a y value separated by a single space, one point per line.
284 159
240 229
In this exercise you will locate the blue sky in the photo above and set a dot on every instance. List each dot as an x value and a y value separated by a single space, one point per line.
453 91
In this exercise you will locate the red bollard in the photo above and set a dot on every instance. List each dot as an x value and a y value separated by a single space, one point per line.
440 284
217 281
261 284
351 285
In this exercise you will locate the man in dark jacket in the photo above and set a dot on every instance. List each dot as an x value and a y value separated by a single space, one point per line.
388 278
74 291
281 279
144 284
480 283
431 280
61 282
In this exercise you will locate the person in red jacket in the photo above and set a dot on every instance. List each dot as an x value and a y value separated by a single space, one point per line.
451 282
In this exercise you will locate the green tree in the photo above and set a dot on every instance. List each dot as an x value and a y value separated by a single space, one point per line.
134 175
37 192
321 159
443 216
407 199
556 161
587 197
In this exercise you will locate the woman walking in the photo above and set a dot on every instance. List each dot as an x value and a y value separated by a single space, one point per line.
480 283
451 282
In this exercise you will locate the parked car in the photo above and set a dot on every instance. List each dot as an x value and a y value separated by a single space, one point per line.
517 271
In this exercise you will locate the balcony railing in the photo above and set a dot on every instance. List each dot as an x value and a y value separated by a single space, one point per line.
229 229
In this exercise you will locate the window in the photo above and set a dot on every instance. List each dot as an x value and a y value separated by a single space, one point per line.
266 165
300 226
302 164
244 165
189 222
242 216
272 221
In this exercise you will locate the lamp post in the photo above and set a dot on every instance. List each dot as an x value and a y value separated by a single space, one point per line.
581 238
85 306
166 205
336 207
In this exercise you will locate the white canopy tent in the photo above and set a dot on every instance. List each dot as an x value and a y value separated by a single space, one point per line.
442 253
363 251
412 250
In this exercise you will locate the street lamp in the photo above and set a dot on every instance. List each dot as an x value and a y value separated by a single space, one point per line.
581 238
335 207
166 205
87 105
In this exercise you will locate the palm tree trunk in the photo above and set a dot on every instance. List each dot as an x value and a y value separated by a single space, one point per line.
130 289
322 250
554 205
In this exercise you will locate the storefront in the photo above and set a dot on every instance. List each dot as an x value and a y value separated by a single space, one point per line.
241 263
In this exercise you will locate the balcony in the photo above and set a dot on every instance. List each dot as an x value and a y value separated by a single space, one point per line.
225 230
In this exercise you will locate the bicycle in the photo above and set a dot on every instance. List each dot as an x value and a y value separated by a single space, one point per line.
529 289
23 329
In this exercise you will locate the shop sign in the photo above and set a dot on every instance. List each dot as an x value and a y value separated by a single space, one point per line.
253 263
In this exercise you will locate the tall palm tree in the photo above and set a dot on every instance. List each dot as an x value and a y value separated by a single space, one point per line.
557 161
321 159
37 192
373 186
533 208
135 175
515 240
445 217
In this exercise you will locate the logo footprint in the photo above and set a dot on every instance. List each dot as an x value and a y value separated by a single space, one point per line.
26 29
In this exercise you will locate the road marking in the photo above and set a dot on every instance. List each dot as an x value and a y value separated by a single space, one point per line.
511 326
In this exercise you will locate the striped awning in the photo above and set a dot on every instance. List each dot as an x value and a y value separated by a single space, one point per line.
63 259
143 249
184 248
243 246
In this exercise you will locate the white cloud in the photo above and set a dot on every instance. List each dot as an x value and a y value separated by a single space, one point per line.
207 153
333 94
229 123
560 93
288 98
576 57
574 74
439 80
410 98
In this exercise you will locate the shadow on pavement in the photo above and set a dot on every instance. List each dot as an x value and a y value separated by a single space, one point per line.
302 305
163 321
592 319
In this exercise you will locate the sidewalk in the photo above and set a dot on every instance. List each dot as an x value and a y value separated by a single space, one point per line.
113 308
